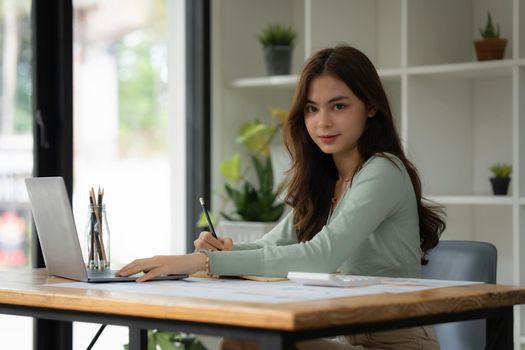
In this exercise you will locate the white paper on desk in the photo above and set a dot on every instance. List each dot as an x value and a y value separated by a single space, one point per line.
252 291
400 285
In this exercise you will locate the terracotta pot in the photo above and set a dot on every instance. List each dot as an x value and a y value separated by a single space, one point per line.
490 49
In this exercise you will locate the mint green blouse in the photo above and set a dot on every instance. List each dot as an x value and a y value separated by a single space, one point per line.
374 230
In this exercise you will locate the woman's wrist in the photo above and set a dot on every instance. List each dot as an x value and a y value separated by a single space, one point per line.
204 261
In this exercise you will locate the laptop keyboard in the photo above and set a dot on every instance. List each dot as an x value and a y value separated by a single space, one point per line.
105 273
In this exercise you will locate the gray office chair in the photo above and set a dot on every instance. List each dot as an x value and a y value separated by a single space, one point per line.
466 261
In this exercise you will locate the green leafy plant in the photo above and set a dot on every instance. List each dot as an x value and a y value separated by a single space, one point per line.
501 170
251 202
277 34
161 340
256 204
489 31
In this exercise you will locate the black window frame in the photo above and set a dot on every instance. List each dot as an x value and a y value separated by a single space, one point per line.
198 112
52 43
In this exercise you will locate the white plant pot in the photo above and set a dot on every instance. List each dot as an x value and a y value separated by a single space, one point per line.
244 231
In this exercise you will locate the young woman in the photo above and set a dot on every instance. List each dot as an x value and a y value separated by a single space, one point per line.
355 197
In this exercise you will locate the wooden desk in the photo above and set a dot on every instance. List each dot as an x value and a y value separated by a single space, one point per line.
275 326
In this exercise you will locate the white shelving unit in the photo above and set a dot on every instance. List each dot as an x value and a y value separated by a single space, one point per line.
456 116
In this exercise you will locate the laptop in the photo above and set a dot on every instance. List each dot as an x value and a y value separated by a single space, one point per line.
58 235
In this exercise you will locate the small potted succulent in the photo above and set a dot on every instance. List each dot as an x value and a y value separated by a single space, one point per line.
491 46
500 181
277 41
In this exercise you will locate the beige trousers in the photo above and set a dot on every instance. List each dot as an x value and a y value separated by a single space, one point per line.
417 338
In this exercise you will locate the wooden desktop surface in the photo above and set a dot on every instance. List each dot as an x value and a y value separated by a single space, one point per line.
27 287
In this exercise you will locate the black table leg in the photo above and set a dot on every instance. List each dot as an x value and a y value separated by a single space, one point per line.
500 330
49 334
138 339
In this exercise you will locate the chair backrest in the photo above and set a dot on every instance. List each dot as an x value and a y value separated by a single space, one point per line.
464 261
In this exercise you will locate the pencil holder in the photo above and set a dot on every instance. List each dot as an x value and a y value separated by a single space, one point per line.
96 250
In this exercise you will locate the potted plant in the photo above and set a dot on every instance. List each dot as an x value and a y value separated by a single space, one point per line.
277 41
491 46
165 340
256 207
500 181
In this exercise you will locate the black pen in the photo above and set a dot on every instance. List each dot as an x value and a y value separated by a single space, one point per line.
208 220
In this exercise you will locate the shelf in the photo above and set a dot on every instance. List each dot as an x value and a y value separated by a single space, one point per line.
271 81
522 201
473 200
497 68
390 74
289 81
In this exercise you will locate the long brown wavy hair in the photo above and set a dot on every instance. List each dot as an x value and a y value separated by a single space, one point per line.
313 174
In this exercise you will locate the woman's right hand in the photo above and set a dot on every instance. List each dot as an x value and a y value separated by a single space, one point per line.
208 242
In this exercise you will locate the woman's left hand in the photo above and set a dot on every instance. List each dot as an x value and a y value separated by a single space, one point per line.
164 265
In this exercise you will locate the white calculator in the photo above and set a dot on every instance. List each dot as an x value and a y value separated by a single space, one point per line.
332 279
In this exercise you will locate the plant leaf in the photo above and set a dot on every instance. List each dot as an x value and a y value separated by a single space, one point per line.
228 217
202 223
231 168
236 196
164 341
277 34
277 116
267 183
256 137
152 340
489 31
276 212
501 169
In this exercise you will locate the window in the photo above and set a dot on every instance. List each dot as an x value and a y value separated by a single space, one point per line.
16 153
121 121
16 138
129 130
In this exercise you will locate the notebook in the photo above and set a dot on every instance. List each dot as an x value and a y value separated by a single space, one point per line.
58 235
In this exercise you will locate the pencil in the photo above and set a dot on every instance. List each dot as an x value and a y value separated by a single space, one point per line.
98 244
208 220
100 208
92 218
